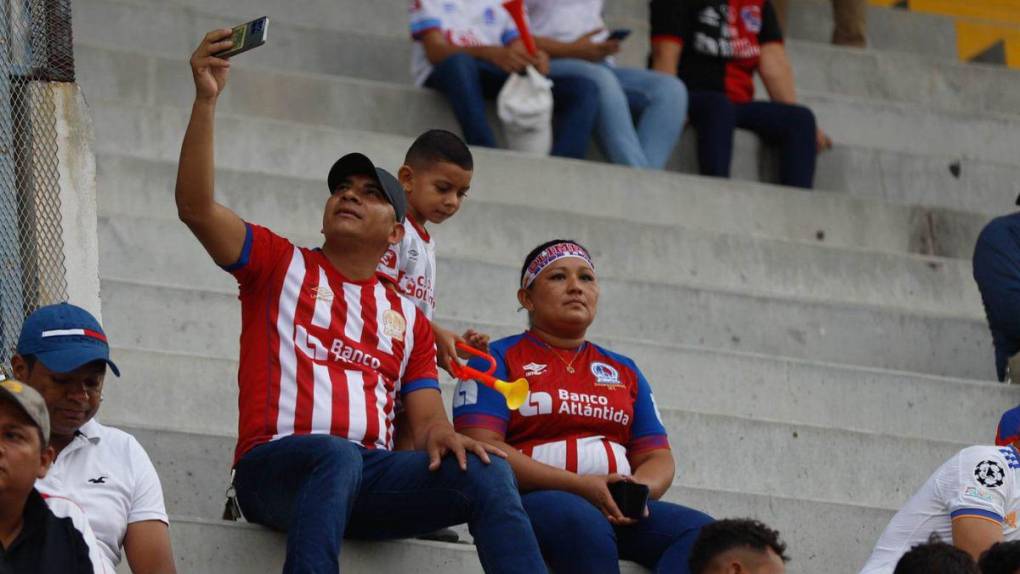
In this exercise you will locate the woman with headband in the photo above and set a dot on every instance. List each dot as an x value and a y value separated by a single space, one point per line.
590 421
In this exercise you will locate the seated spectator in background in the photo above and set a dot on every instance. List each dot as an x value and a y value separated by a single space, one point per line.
738 546
315 460
1001 558
467 49
997 273
971 502
33 537
716 46
590 421
574 35
63 353
936 557
849 21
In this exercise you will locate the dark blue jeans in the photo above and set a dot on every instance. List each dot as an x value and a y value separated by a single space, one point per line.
575 537
467 81
791 128
997 273
319 488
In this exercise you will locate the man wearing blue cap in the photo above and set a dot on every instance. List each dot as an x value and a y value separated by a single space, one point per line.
972 501
63 354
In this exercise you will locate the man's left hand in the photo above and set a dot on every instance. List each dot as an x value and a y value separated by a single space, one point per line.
442 440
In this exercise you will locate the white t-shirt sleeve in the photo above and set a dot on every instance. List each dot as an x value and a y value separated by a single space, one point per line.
64 508
147 495
984 479
425 15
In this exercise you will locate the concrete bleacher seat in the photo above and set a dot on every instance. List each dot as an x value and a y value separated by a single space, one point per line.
815 354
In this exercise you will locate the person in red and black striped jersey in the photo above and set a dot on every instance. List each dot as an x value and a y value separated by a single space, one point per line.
715 47
325 349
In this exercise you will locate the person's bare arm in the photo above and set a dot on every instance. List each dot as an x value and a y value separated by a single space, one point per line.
655 469
147 547
534 475
666 56
974 535
217 228
507 58
583 48
777 74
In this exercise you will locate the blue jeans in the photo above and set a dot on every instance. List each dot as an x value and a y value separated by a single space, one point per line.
467 81
789 127
319 488
997 273
658 101
575 537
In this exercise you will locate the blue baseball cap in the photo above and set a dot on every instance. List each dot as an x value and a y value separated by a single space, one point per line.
1009 427
64 337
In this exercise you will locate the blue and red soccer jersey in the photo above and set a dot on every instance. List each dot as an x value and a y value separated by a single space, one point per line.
588 410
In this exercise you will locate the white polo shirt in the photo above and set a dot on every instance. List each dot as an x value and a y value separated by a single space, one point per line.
108 474
566 20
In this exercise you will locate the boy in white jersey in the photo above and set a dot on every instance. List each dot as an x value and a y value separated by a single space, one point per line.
436 176
972 500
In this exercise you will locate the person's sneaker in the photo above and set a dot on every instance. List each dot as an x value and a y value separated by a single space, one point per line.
441 535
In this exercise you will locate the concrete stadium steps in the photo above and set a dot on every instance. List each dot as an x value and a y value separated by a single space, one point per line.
830 332
135 187
671 256
199 392
221 547
811 20
350 43
905 170
713 453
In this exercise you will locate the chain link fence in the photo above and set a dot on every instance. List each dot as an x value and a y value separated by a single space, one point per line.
35 50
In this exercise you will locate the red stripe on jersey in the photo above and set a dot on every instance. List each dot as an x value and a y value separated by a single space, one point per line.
341 421
305 403
610 456
370 338
572 455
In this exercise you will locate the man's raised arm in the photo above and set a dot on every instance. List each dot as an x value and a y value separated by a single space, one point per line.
217 228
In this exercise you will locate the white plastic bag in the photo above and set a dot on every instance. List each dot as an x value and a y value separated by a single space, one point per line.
525 106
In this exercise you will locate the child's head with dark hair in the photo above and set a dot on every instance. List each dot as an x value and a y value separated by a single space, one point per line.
936 557
436 176
435 146
1001 558
738 545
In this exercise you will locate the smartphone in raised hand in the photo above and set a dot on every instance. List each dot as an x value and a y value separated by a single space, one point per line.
246 37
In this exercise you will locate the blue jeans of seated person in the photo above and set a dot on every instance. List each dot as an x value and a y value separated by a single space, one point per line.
791 128
657 101
319 488
576 537
467 81
997 273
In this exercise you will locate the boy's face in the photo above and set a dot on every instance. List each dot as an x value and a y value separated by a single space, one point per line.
23 457
435 191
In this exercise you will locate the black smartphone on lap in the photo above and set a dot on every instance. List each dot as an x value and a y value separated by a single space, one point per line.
630 497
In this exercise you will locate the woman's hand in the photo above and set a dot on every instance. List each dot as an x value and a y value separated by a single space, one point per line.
595 488
208 71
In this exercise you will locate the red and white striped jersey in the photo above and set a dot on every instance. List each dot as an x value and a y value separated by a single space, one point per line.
321 354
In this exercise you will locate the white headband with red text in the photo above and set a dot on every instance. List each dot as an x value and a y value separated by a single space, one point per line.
549 255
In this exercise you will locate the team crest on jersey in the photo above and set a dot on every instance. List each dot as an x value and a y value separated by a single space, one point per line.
751 15
394 325
990 473
390 259
605 374
490 17
534 369
323 293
